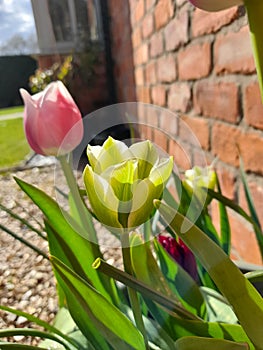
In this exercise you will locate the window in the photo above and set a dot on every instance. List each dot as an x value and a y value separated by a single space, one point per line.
66 25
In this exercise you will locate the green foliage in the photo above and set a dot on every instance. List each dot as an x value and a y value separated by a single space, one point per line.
13 144
161 306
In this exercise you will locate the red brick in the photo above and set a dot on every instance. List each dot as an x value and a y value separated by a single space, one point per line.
181 154
194 62
169 122
199 129
200 157
145 132
233 53
150 73
244 243
139 77
204 22
152 114
227 180
217 100
163 12
253 106
158 95
224 143
156 44
160 139
147 26
251 151
166 69
136 37
139 10
143 94
176 32
150 3
179 97
141 55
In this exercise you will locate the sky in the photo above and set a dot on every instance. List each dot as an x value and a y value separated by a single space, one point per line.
16 18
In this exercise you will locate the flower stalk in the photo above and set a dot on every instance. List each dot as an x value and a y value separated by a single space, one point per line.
133 296
74 190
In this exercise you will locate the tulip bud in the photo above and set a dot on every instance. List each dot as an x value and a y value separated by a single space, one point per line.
52 120
196 179
122 182
180 253
215 5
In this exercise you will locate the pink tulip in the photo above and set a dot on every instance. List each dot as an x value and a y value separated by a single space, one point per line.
215 5
52 120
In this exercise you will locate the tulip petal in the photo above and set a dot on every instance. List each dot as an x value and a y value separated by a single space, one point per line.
160 174
215 5
102 198
111 154
142 203
61 128
122 178
53 122
147 156
31 120
93 153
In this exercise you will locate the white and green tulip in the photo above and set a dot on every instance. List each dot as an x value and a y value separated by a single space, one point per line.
122 182
197 180
254 10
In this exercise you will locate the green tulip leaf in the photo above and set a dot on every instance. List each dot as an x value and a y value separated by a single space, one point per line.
240 293
12 346
166 314
254 10
181 283
52 329
255 276
87 307
231 204
225 228
30 332
146 268
197 343
65 243
218 308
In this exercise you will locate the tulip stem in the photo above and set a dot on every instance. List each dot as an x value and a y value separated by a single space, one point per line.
133 296
81 209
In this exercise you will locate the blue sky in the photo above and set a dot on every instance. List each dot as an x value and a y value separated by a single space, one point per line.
16 17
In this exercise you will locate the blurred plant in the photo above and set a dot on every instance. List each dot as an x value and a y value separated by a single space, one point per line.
81 65
58 71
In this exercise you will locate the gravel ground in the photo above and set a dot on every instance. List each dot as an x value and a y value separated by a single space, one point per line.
26 278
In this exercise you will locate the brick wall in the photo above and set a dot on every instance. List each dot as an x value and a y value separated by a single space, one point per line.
200 66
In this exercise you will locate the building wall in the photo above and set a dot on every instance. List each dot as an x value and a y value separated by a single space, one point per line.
200 66
122 50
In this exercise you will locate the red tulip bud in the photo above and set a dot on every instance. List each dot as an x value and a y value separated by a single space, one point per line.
52 120
180 253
